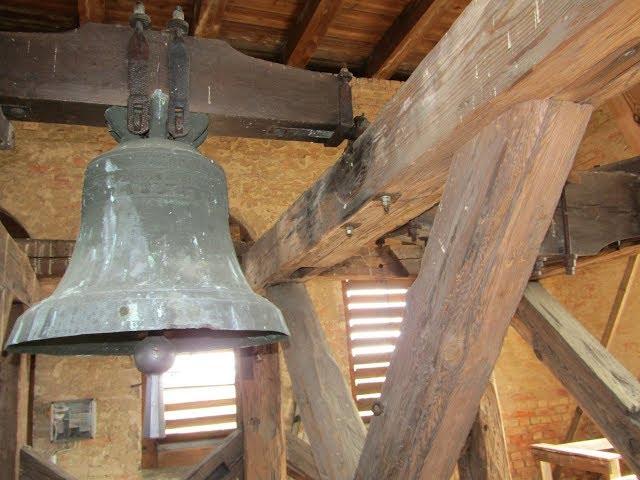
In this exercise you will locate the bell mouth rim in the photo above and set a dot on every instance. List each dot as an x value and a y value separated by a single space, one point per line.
124 343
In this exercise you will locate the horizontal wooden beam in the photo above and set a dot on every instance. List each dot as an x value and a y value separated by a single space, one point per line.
407 30
73 77
604 389
309 28
504 54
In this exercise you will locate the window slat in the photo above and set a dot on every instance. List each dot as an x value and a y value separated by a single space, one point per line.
223 402
376 313
200 421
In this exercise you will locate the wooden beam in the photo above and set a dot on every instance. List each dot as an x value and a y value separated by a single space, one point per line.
221 461
465 82
92 11
606 256
626 112
247 98
310 26
485 456
7 133
16 274
403 35
606 463
209 18
604 389
328 412
263 432
34 466
485 239
300 462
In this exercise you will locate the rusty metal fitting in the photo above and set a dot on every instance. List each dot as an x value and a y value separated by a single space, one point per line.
139 15
377 408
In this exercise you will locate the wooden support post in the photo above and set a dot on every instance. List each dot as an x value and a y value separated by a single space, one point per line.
603 388
18 283
502 190
263 432
328 412
222 461
485 454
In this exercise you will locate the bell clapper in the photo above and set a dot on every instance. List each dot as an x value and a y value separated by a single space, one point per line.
153 356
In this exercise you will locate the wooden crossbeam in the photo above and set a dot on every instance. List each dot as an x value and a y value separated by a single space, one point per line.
310 26
92 11
497 54
485 456
263 432
405 32
605 390
221 461
300 462
328 412
485 239
246 98
208 18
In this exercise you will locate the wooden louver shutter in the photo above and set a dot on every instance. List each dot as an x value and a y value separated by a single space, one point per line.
374 312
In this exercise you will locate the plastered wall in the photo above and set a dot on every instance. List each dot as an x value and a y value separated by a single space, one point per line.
40 184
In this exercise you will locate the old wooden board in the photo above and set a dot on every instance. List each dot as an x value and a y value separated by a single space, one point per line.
484 242
300 462
221 461
605 390
73 77
497 54
329 415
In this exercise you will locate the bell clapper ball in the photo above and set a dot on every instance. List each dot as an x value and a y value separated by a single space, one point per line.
154 355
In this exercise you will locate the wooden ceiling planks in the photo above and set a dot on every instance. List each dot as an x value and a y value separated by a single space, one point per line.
259 28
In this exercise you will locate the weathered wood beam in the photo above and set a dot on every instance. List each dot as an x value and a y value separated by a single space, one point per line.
405 32
16 274
485 456
484 243
73 77
329 415
92 11
209 18
497 54
7 133
604 389
263 432
34 466
300 462
221 461
626 112
604 257
310 26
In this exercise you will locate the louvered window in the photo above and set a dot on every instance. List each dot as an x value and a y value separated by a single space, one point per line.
200 394
374 312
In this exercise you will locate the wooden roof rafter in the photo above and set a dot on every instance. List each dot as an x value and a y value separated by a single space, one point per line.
307 32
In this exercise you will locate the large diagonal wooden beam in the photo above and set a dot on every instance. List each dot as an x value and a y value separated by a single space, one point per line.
406 30
34 466
482 249
309 28
224 459
300 462
328 412
497 54
605 390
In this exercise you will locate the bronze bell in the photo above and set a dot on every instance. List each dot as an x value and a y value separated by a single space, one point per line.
154 256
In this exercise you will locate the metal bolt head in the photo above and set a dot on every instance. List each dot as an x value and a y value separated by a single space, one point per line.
386 202
348 230
377 408
138 7
178 13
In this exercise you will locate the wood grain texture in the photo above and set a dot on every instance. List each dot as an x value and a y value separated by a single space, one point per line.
624 117
263 432
605 390
476 265
496 55
209 18
300 462
328 412
221 461
16 274
92 11
310 26
34 466
485 456
606 463
407 29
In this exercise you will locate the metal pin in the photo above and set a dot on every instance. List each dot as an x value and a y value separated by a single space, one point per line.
386 202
